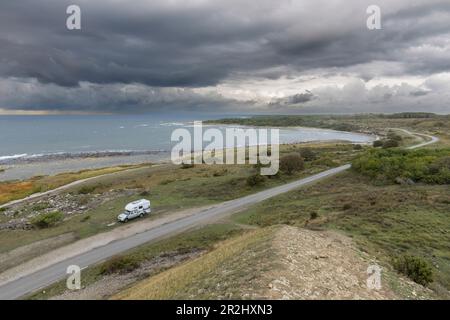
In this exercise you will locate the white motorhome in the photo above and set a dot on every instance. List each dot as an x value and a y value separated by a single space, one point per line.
135 209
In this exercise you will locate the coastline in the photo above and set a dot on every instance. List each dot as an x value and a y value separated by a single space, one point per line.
28 166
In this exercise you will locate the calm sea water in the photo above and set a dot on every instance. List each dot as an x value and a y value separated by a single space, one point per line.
31 136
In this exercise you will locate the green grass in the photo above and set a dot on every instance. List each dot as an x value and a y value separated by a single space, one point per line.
203 238
385 221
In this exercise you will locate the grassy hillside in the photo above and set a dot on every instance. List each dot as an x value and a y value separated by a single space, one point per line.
384 220
223 271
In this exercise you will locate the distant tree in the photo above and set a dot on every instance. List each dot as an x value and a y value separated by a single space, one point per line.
291 163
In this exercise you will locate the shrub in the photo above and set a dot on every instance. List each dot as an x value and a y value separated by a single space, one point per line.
357 147
307 154
40 206
254 180
87 189
378 143
291 163
393 136
47 220
85 218
187 165
415 268
313 215
424 165
390 144
119 264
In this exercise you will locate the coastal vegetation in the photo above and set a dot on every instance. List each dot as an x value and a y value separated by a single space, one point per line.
47 220
394 166
393 204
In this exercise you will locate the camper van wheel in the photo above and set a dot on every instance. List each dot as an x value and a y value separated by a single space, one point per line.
142 215
126 220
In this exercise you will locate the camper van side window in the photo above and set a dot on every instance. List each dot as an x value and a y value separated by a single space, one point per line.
140 207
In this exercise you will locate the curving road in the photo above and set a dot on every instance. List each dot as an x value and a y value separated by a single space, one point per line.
433 139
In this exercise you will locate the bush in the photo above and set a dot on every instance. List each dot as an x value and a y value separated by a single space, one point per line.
86 189
291 163
414 268
47 220
85 218
390 144
313 215
307 154
254 180
393 136
119 264
40 206
377 143
357 147
424 165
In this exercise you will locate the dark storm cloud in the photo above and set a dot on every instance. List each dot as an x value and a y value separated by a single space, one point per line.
195 44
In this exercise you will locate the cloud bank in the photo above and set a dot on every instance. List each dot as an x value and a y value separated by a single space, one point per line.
265 55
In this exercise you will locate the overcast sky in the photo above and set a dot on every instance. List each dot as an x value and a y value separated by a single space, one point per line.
290 56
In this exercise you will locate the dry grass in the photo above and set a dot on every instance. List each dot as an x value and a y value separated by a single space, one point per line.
176 281
13 190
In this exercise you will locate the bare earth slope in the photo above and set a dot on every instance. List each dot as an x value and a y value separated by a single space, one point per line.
278 263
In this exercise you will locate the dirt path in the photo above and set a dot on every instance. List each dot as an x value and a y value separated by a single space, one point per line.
38 195
323 265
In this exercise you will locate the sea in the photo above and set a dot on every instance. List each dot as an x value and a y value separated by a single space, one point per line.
48 144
